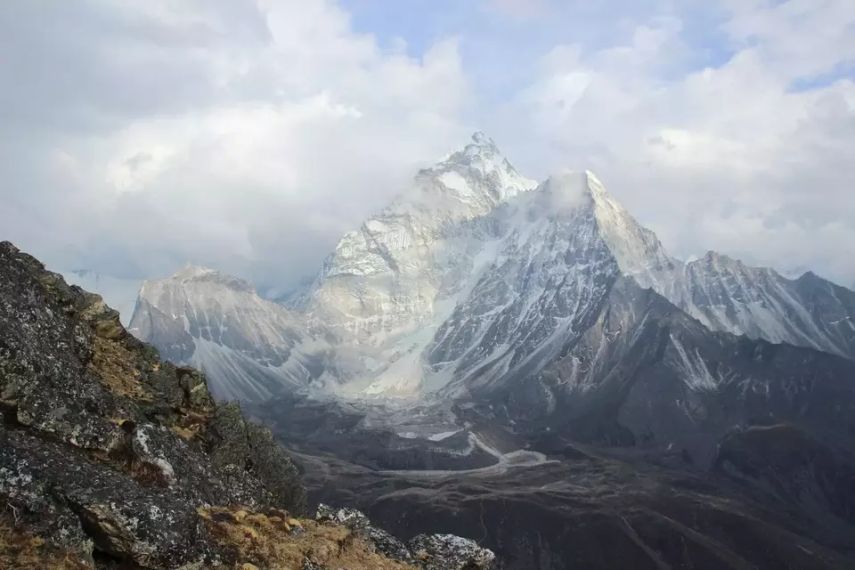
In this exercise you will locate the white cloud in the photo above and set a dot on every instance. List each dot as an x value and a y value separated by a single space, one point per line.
247 137
250 135
734 156
796 38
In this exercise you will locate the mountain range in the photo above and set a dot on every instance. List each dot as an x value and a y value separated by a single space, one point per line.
478 285
488 330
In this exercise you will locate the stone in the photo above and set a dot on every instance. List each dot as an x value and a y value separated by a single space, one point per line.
449 552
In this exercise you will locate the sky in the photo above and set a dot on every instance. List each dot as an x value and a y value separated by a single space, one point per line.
248 135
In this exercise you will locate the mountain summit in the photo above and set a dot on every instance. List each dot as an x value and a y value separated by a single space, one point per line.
478 176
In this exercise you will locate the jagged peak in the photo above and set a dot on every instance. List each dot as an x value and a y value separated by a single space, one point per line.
479 153
722 264
479 145
636 249
466 183
480 158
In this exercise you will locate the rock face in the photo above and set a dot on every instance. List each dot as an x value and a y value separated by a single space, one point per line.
392 272
432 552
647 375
107 447
110 456
727 295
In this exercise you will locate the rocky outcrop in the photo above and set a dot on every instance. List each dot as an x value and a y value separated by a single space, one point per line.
106 449
430 551
447 551
110 457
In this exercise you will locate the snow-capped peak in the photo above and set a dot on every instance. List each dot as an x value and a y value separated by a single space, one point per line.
638 252
479 145
250 347
477 177
402 241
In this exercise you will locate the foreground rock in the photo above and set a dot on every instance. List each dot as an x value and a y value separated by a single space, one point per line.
111 458
432 552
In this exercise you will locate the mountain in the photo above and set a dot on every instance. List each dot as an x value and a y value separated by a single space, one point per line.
486 333
112 458
727 295
478 284
251 348
394 272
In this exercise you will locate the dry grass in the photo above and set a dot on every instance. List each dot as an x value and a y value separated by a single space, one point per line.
275 541
189 424
20 550
113 365
112 362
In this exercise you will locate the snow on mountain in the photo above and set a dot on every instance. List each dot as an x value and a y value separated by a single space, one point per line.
548 276
727 295
390 284
388 274
475 281
250 348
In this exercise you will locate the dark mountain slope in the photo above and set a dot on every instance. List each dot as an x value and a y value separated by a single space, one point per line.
645 374
588 511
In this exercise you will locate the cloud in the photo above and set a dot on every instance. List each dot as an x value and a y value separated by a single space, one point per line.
248 135
735 156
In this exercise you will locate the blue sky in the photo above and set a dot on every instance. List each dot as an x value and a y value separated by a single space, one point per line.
500 42
248 135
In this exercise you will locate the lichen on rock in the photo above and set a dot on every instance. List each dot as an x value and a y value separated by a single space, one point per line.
426 551
106 450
